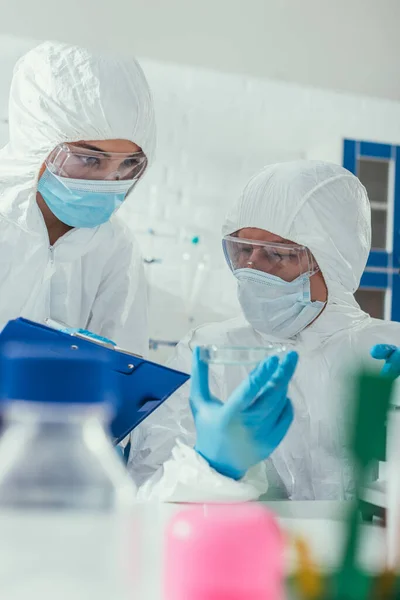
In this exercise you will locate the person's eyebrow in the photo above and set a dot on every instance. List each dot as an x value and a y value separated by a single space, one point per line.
281 241
92 147
285 241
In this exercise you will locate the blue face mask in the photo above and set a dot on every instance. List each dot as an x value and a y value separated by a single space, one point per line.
81 202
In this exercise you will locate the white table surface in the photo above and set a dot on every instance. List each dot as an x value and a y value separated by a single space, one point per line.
321 523
48 556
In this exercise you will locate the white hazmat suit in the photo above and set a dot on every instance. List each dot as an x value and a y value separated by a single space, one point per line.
90 278
325 208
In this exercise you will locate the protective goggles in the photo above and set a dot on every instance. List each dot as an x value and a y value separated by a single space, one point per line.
286 261
75 162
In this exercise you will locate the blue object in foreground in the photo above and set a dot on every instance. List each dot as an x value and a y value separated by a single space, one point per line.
120 451
391 355
88 334
243 431
123 453
138 386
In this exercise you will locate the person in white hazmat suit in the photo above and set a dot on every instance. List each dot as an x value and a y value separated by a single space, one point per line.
297 242
81 135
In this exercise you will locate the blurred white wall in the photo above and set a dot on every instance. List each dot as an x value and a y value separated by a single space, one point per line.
215 130
349 45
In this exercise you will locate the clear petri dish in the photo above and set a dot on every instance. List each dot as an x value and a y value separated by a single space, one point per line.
240 355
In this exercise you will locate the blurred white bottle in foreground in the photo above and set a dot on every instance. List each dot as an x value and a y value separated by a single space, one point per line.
65 497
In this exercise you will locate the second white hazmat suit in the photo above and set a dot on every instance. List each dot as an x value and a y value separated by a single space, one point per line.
326 208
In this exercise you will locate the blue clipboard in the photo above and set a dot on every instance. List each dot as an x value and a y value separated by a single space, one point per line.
141 386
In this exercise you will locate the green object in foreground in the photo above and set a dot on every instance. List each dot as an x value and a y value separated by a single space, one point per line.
368 433
371 406
371 409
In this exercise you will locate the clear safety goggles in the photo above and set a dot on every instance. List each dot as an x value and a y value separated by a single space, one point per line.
286 261
75 162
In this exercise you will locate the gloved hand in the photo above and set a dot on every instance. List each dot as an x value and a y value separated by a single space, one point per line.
241 432
391 355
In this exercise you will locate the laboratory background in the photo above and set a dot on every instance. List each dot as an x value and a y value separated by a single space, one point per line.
237 86
268 82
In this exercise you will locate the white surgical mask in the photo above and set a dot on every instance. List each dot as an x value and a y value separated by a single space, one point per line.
274 306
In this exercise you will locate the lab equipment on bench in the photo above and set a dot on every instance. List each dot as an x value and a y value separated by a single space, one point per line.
55 452
140 385
239 355
65 496
195 268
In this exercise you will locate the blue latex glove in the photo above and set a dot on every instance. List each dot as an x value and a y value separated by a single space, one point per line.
391 355
241 432
71 330
89 334
123 452
120 452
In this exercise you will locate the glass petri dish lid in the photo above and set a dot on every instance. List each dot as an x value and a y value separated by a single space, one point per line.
240 355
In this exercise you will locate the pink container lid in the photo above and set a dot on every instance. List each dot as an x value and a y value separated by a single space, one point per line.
224 552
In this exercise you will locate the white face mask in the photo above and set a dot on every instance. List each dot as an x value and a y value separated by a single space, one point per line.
274 306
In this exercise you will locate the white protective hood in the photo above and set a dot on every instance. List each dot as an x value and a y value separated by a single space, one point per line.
62 93
90 277
321 206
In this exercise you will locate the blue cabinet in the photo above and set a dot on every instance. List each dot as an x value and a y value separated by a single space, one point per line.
378 167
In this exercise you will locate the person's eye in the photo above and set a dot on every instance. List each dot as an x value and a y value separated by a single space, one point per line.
129 163
274 255
90 161
132 167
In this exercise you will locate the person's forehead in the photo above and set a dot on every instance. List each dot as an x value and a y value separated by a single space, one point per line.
261 235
